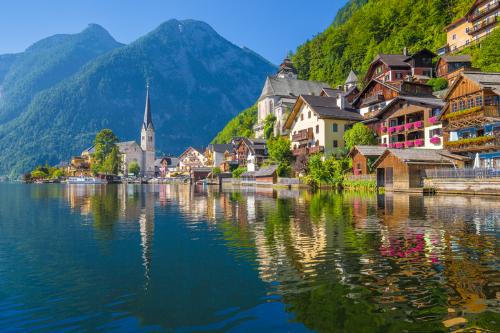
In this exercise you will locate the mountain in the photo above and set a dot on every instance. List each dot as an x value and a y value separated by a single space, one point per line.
198 80
45 64
364 28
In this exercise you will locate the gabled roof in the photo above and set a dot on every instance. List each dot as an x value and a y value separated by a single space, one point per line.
456 58
330 92
393 60
370 84
220 148
254 144
326 108
266 171
485 80
293 88
196 149
370 151
352 78
438 156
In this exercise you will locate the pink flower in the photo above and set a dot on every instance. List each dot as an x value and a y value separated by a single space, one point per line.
409 144
408 126
400 128
419 142
392 129
435 140
433 120
418 124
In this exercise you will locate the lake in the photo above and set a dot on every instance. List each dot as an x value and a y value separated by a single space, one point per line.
168 258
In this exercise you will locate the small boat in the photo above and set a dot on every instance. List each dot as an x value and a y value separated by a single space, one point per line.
86 180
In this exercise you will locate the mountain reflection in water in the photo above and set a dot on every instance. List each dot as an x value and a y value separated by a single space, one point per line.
186 259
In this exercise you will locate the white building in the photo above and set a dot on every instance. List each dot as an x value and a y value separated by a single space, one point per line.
279 94
144 154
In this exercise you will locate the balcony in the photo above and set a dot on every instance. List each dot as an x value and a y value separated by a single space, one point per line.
473 117
407 144
378 98
484 24
303 135
316 150
485 11
300 151
473 145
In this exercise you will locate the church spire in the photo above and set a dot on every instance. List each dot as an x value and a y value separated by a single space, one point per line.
148 121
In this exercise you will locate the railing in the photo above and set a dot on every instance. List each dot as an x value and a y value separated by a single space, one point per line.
489 21
300 151
361 177
480 13
316 149
302 135
474 144
470 173
378 98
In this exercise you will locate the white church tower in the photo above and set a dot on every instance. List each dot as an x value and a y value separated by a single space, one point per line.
148 140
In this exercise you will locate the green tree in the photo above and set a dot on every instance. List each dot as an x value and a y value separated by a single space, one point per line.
487 56
216 171
280 153
104 143
438 83
269 126
238 171
39 174
134 168
241 125
359 134
111 163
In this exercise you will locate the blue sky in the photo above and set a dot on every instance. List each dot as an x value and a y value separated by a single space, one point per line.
269 27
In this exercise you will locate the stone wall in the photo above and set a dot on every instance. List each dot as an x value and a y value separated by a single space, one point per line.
490 186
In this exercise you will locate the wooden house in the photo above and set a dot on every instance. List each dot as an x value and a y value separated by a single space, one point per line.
192 158
408 122
471 117
251 152
404 170
450 66
398 67
363 158
266 175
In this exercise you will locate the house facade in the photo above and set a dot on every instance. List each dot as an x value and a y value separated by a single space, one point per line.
409 122
449 67
363 158
279 95
471 117
192 158
317 125
217 154
251 153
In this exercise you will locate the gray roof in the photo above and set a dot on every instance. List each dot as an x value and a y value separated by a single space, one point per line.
326 107
275 86
398 60
434 101
266 171
220 148
457 58
485 79
148 120
330 92
352 78
369 150
89 150
424 155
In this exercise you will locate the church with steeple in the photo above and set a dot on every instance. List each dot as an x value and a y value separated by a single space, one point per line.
143 154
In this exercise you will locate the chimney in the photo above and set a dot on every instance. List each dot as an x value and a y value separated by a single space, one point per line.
405 51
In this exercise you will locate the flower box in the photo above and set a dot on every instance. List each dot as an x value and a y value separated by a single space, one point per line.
418 124
392 129
419 142
383 145
409 144
433 120
398 145
390 145
383 129
408 126
400 128
435 140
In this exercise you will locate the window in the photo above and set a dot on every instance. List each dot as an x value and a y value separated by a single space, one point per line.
467 31
488 100
461 104
384 140
436 132
470 103
386 77
399 75
335 143
467 42
435 112
454 37
309 114
335 128
301 117
317 129
479 101
454 107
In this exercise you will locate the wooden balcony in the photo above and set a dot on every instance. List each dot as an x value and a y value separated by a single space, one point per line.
474 145
303 135
474 117
378 98
483 25
485 11
300 151
316 150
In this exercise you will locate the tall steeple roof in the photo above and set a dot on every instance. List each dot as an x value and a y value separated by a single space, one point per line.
148 121
352 78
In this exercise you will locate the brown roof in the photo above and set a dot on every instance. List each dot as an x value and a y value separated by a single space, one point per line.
368 150
438 156
457 58
326 107
266 171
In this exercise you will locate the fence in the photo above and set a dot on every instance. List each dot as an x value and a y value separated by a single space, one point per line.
288 181
462 173
361 177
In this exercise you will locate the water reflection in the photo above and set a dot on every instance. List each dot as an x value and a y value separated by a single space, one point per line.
338 263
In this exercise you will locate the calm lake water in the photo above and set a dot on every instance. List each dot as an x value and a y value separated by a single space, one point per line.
179 259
